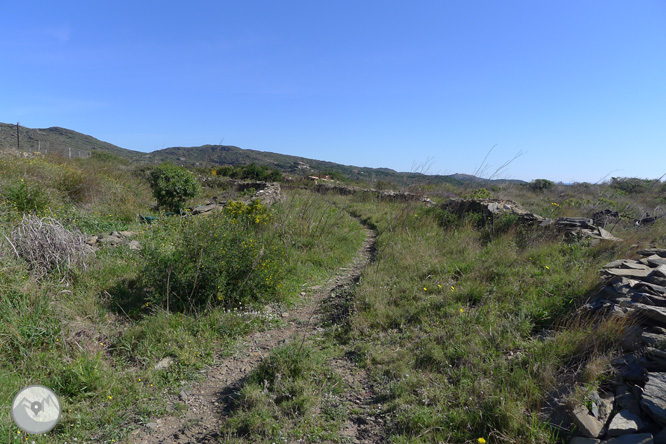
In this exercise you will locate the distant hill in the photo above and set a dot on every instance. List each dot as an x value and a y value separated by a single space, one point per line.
61 141
65 141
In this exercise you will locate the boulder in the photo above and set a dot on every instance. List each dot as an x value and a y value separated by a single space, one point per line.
624 423
589 426
654 397
661 252
581 440
638 438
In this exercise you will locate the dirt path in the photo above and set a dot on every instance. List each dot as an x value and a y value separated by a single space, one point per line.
209 401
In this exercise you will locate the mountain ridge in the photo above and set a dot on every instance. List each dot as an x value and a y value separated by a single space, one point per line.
70 143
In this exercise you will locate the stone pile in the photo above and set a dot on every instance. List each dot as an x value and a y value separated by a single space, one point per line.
114 239
635 410
572 227
388 195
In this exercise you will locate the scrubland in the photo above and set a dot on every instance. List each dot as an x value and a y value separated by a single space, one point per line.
461 328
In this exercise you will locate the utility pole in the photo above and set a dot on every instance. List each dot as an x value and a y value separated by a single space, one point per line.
39 146
18 140
70 151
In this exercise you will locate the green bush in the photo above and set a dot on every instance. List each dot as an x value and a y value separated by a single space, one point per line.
630 185
251 172
541 185
220 259
26 197
480 193
172 186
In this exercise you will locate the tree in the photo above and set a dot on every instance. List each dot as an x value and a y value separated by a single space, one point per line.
172 186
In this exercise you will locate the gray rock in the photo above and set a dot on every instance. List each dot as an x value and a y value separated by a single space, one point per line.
655 261
660 438
589 426
629 369
624 423
204 208
656 313
628 272
625 399
581 440
654 397
164 363
135 245
659 272
638 438
654 339
151 425
661 252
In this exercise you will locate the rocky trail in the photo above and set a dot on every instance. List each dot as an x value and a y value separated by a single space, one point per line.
210 400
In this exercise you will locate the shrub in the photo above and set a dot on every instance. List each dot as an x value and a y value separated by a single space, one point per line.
630 185
172 186
47 246
26 197
219 259
480 193
541 185
251 172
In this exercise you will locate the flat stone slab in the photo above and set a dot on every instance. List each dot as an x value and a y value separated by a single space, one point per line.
637 438
581 440
589 426
624 423
659 272
656 313
661 252
654 396
630 273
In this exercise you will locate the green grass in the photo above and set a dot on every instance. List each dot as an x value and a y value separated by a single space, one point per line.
292 395
446 322
95 337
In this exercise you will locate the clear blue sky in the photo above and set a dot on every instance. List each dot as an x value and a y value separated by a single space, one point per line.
578 86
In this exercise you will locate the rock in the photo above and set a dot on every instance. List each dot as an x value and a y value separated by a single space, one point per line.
574 222
629 369
164 363
660 438
655 261
605 217
589 426
204 208
655 313
661 252
151 425
91 240
639 438
629 272
654 339
654 397
624 423
659 272
135 245
581 440
626 400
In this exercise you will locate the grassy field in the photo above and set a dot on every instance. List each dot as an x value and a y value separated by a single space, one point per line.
462 329
94 335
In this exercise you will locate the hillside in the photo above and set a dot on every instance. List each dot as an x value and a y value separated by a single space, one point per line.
63 141
60 140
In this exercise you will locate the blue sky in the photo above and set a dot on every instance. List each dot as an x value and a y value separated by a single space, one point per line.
578 87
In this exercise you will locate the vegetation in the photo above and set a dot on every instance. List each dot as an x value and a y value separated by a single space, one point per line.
173 186
444 331
251 172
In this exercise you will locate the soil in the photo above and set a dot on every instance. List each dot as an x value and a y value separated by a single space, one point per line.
210 400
